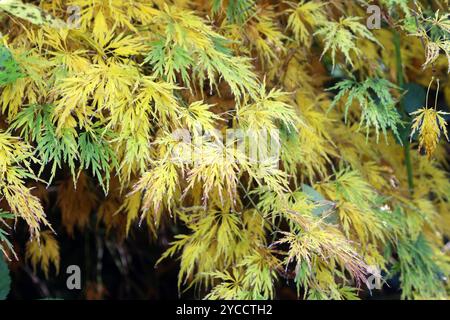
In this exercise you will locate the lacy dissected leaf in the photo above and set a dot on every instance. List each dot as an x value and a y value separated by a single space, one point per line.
28 88
188 44
375 101
429 123
216 233
268 112
433 50
342 35
237 11
211 121
225 236
15 161
419 273
97 155
304 17
44 252
255 283
393 5
26 206
262 34
36 124
158 186
230 286
357 205
5 244
198 115
434 32
315 243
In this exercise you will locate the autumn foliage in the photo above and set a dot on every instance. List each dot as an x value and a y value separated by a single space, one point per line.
97 96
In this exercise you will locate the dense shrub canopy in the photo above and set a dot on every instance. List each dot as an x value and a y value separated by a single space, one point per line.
257 142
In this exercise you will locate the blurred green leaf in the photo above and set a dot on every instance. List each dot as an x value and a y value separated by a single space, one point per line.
414 98
5 279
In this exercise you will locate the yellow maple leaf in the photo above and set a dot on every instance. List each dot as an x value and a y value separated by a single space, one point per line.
429 123
44 252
